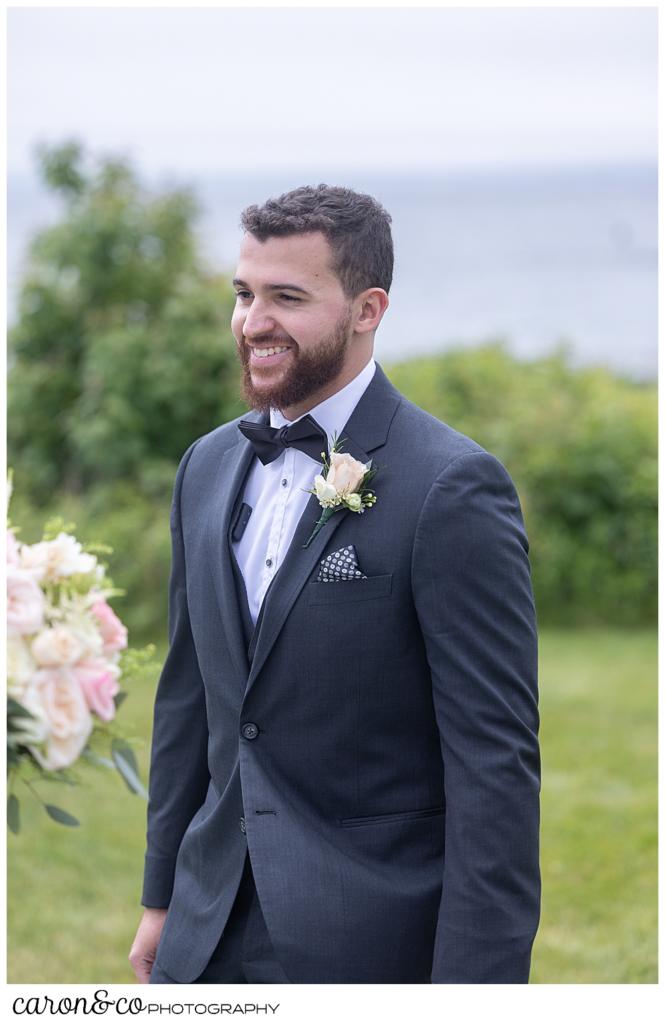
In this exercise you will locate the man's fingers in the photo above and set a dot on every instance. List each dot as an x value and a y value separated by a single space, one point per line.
143 969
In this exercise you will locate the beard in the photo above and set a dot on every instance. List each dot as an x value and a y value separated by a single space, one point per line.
310 370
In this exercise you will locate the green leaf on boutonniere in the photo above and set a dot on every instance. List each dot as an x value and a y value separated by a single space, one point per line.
325 516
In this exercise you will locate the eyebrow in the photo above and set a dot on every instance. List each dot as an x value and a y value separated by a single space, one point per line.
273 287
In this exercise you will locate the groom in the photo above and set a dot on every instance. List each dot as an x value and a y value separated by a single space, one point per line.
345 772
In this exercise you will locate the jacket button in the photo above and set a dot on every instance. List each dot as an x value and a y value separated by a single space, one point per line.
243 826
250 731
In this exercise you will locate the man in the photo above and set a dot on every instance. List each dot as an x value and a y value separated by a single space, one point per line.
345 773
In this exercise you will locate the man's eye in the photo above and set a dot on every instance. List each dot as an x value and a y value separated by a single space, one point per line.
242 295
289 298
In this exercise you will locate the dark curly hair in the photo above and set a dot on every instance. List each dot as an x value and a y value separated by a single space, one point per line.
356 225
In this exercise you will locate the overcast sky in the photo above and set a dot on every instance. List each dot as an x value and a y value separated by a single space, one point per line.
205 89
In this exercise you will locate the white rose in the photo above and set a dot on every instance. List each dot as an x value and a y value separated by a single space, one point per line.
78 616
67 714
86 629
325 492
52 559
25 602
345 473
57 646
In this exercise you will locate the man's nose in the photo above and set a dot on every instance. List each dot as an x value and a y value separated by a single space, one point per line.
257 322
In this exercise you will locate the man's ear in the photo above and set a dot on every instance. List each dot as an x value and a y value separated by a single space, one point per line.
370 306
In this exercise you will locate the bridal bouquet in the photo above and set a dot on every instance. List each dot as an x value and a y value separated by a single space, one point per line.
66 655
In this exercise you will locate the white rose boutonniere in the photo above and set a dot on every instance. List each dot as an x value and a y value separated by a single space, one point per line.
341 485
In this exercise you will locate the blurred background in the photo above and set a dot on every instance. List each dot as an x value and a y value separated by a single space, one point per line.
516 150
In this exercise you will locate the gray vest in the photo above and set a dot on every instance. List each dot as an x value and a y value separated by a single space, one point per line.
238 523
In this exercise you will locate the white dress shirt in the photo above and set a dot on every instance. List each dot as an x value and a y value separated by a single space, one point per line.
277 493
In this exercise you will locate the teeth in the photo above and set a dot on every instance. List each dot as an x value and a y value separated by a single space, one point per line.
263 352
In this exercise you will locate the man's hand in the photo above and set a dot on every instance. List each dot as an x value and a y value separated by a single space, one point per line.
144 947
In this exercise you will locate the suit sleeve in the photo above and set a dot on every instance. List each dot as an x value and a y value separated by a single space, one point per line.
179 773
472 589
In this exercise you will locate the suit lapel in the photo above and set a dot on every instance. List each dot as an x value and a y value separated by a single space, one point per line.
366 430
231 474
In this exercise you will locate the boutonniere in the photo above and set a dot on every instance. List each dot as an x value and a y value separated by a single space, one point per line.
341 485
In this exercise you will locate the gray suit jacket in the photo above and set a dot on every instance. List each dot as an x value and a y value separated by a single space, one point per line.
374 743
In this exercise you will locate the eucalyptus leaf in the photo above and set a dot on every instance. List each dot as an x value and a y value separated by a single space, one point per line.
121 746
125 762
59 777
62 817
13 759
16 710
13 816
98 759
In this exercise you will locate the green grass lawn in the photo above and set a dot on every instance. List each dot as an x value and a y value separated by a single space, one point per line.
599 809
73 893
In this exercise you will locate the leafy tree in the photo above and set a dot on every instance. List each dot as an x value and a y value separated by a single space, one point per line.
122 353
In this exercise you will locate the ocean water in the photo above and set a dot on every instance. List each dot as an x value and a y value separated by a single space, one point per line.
535 258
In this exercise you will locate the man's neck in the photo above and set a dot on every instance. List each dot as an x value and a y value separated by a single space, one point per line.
345 377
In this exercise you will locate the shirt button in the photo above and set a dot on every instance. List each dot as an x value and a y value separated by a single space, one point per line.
250 731
268 562
243 826
284 482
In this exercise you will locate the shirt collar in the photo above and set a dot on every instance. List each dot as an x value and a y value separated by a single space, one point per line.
334 412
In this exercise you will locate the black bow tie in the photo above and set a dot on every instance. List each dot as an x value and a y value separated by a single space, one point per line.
269 442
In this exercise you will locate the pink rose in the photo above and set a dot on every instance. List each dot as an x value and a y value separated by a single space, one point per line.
69 722
345 472
114 634
25 602
99 684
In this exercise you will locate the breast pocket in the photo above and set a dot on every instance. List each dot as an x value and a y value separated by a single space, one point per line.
347 591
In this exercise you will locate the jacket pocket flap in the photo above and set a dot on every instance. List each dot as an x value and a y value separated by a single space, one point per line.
379 819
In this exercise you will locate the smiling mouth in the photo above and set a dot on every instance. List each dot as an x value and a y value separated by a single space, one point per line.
266 353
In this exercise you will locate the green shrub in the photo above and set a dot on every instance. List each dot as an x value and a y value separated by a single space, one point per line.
581 446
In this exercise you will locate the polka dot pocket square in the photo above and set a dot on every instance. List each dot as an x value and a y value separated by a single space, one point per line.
340 565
